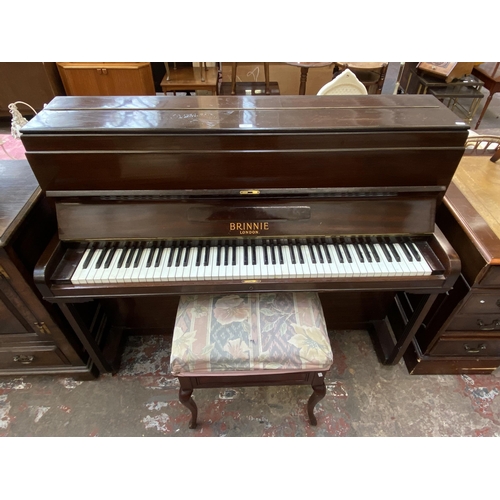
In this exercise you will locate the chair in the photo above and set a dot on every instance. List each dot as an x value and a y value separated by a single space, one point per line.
345 83
370 74
255 339
483 145
234 67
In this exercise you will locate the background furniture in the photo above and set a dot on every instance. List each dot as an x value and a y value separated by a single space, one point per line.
255 339
187 78
370 74
34 82
345 83
234 67
466 88
447 71
489 73
462 334
33 337
106 78
483 145
304 70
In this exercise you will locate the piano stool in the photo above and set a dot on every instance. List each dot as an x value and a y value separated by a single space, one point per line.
254 339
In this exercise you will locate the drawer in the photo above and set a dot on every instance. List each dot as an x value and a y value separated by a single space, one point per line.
476 322
480 303
29 357
477 346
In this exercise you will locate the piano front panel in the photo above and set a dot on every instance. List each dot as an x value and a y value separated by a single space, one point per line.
187 170
251 217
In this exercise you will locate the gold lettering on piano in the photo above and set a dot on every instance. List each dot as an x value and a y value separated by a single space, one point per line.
249 227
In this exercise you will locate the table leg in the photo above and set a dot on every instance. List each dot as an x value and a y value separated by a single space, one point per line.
486 104
266 77
303 80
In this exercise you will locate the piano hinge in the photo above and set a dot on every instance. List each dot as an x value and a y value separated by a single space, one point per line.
3 272
250 191
43 328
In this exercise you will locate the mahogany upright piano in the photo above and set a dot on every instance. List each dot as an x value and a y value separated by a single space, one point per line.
162 196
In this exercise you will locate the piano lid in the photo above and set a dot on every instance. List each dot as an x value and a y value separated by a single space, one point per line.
154 114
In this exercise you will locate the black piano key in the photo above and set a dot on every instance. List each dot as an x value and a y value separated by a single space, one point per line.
207 254
161 249
90 255
392 248
346 250
171 254
254 254
233 253
319 252
226 254
358 250
280 254
405 249
130 256
264 251
110 256
310 246
178 257
372 248
384 248
336 245
152 250
199 251
292 253
245 254
100 260
412 248
300 254
327 252
121 260
140 249
272 252
186 255
219 254
365 250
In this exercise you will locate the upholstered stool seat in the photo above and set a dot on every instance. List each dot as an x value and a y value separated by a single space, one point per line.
250 339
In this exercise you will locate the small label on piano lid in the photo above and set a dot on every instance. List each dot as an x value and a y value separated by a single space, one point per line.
246 125
459 123
251 281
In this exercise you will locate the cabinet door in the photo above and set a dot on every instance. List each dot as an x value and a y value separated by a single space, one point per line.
15 316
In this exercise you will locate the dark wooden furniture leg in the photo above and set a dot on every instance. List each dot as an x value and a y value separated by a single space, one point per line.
233 78
303 80
266 76
319 388
185 398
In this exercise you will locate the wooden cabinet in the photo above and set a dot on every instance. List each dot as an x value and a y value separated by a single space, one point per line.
105 78
35 83
34 338
462 334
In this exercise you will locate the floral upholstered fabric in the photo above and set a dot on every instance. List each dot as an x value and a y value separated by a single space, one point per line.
249 333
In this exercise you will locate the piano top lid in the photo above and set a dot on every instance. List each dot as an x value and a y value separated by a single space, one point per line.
242 114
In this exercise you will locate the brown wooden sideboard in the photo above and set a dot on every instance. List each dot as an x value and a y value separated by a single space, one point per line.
462 333
107 78
34 338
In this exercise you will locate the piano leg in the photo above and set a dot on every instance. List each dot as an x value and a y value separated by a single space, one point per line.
86 338
392 351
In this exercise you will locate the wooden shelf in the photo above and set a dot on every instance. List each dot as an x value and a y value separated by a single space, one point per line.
184 79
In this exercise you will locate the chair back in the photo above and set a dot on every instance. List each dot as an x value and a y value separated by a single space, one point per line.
370 74
345 83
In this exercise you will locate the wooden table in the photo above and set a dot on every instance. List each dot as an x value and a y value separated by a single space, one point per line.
489 73
304 69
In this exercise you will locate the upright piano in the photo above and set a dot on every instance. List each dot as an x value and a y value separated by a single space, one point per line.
162 196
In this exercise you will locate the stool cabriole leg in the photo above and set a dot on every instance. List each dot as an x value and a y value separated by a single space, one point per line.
186 399
319 388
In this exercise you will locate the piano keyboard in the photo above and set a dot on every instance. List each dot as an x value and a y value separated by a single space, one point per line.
128 262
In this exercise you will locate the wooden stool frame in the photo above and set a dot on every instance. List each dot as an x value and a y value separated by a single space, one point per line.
189 383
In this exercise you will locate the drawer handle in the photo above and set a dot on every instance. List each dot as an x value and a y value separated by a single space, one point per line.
488 326
471 350
23 359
